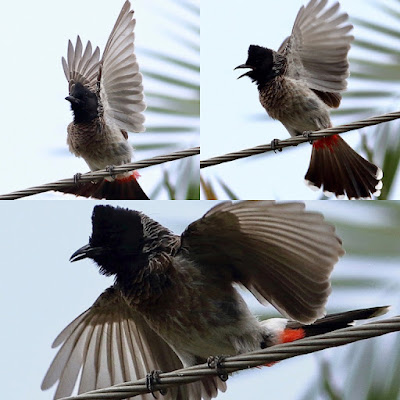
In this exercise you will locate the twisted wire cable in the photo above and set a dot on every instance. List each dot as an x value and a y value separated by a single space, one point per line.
294 141
96 175
243 361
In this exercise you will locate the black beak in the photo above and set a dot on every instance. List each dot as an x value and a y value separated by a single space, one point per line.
72 100
244 66
85 252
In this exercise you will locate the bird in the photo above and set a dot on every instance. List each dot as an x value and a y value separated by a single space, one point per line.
107 101
301 82
174 301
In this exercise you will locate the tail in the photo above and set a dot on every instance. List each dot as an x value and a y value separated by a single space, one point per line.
126 188
341 171
284 331
207 388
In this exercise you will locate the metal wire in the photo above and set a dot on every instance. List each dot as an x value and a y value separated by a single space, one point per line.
96 175
277 145
249 360
294 141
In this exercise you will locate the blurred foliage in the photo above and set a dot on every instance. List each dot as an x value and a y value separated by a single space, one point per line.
377 68
210 193
369 369
179 179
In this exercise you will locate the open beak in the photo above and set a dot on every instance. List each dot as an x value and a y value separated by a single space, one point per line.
85 252
244 66
72 100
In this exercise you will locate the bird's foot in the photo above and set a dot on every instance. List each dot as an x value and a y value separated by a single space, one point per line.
275 144
153 378
307 134
110 170
77 178
215 362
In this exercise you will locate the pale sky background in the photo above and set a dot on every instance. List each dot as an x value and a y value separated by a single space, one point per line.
231 115
41 291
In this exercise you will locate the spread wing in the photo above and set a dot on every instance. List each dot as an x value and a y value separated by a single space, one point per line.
81 67
281 253
111 344
121 89
317 48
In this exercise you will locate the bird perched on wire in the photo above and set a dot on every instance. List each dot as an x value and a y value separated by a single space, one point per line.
299 84
174 303
106 98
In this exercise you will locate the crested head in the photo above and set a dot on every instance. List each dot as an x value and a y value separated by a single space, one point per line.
258 56
261 62
122 240
118 235
84 103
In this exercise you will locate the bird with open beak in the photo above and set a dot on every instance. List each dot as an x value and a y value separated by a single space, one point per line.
299 84
174 301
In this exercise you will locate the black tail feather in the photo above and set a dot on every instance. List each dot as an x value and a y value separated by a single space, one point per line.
342 171
103 189
336 321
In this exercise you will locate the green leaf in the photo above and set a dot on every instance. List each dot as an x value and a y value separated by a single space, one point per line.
377 28
366 93
171 129
388 149
191 66
174 113
353 111
154 146
390 11
369 45
230 194
170 80
358 283
185 109
192 8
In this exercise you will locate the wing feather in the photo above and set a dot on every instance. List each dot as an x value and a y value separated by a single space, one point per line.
89 371
83 68
281 253
318 46
103 378
112 344
74 361
121 70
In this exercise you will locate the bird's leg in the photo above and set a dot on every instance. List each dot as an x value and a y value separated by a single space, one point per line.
153 378
307 134
215 362
274 145
110 170
77 178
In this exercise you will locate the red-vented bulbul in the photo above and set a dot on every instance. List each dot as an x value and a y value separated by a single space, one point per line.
174 303
300 82
106 98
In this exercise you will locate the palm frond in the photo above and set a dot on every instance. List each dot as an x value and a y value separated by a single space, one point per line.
380 71
368 370
174 101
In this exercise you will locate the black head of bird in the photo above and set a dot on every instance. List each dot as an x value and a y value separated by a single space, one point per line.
123 241
260 61
84 103
117 241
